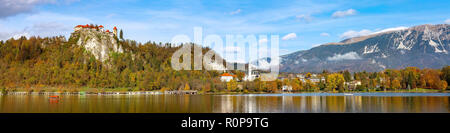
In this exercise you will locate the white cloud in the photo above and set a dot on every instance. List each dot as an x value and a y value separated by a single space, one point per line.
43 24
15 35
339 14
261 41
289 36
325 34
352 33
4 35
235 12
284 51
447 21
306 18
19 35
14 7
391 29
316 45
50 26
53 24
346 56
365 32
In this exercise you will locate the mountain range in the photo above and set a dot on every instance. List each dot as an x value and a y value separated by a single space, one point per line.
423 46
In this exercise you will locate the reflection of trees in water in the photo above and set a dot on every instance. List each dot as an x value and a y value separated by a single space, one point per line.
287 104
220 103
225 104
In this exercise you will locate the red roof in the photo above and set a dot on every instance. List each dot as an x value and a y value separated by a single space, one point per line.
89 26
227 74
115 28
107 30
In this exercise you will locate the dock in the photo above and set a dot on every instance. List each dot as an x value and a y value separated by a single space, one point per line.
82 93
182 92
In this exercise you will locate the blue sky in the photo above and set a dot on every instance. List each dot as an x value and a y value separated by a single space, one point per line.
308 23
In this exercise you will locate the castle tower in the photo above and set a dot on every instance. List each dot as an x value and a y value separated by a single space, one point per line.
115 31
100 27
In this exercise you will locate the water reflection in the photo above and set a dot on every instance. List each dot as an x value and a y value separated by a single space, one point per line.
224 104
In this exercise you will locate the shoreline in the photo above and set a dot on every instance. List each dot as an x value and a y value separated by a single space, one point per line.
201 93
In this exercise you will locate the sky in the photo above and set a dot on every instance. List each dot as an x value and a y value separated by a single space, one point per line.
301 24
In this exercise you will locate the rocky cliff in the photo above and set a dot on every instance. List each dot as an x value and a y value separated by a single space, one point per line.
101 44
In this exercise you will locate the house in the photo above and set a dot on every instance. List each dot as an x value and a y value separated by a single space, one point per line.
314 78
352 84
300 76
286 88
226 77
317 79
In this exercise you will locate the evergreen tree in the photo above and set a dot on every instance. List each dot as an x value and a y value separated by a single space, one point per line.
121 34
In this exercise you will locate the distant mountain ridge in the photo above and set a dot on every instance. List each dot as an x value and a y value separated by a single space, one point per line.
423 46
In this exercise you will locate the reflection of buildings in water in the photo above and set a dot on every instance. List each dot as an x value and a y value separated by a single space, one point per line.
225 105
323 104
304 104
249 105
354 104
316 104
287 104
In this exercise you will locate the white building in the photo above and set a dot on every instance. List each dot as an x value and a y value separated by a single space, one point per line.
286 88
314 78
226 77
251 75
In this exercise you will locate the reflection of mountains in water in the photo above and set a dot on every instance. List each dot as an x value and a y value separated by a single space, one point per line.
334 103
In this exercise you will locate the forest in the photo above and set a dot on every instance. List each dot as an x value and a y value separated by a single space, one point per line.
54 64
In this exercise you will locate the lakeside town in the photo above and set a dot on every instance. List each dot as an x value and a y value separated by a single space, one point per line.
410 79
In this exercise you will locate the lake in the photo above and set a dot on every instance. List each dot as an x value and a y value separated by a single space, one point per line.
243 103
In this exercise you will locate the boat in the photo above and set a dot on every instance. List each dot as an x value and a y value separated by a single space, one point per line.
53 96
348 94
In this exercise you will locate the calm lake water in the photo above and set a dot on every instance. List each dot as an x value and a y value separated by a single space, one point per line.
251 103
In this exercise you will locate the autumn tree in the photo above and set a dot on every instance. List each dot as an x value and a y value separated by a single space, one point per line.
395 84
308 75
187 87
442 85
347 76
231 85
445 74
296 84
335 81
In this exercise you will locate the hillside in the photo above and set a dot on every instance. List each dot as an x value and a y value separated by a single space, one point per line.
95 59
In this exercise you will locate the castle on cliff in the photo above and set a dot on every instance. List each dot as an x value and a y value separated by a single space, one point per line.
96 27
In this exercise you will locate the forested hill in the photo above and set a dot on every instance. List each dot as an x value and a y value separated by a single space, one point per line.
52 62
